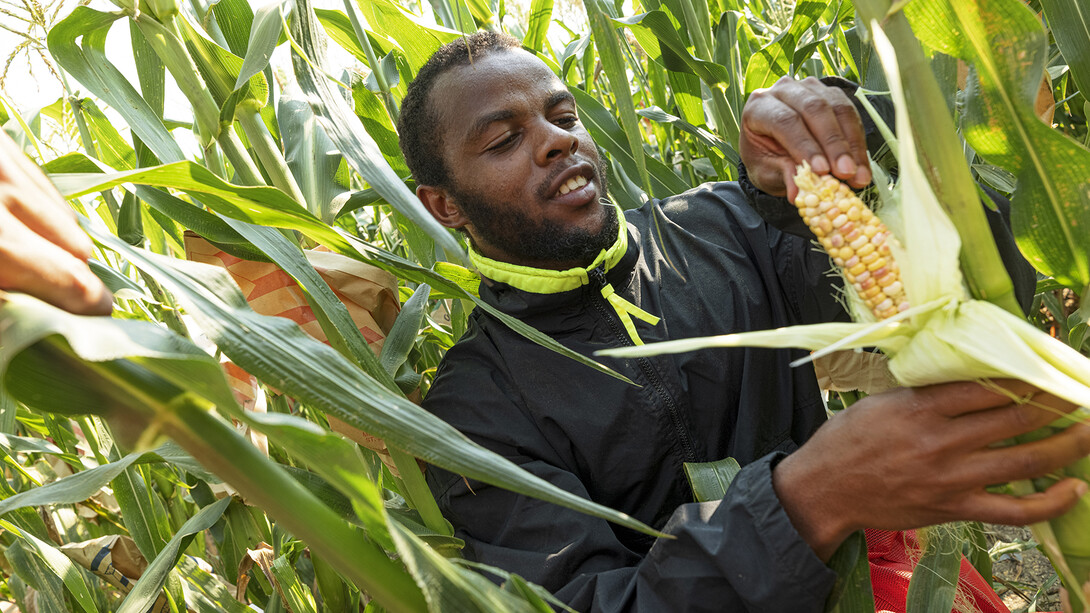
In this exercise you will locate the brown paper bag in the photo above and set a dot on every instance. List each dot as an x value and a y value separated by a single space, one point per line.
369 293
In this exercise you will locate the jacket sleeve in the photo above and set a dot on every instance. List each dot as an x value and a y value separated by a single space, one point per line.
737 554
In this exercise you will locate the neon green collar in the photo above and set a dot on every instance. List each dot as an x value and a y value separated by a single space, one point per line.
543 281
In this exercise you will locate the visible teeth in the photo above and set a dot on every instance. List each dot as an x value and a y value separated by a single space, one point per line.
572 183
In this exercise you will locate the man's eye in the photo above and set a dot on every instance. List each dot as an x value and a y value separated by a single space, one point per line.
504 142
567 121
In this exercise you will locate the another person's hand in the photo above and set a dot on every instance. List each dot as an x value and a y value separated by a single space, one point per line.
793 121
915 457
43 251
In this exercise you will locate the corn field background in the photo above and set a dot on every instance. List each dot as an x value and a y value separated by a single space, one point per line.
138 478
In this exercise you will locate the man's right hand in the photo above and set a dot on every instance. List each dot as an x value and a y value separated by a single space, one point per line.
43 251
914 457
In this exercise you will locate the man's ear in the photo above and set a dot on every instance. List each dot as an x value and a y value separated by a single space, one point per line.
438 202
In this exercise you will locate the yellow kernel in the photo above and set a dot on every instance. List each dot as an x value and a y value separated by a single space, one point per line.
875 265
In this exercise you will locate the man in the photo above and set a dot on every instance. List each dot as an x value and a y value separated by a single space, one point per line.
511 156
494 141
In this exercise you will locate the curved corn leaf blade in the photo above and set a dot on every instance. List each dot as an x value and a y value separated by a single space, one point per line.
402 336
450 588
270 206
657 35
147 589
609 52
86 61
277 351
312 158
609 135
852 592
710 140
541 14
264 36
935 579
1007 45
1069 21
59 564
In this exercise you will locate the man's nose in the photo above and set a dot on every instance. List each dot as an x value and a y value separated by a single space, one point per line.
555 142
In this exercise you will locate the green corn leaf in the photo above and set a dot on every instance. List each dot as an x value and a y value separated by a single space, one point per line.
541 15
609 51
417 39
377 122
211 227
22 444
774 59
291 590
710 480
355 144
1069 21
109 145
141 511
234 19
402 336
147 589
269 206
611 137
710 140
935 580
1007 45
221 70
73 488
659 37
311 156
313 372
332 314
264 36
852 592
86 61
449 587
36 573
59 564
207 591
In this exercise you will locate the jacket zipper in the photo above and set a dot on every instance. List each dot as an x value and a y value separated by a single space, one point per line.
598 279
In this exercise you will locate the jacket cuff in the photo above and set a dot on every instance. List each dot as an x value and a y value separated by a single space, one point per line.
795 566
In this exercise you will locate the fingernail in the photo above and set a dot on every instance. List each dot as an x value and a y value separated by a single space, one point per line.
1080 489
819 164
862 176
845 165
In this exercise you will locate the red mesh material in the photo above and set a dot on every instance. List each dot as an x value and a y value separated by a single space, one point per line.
892 557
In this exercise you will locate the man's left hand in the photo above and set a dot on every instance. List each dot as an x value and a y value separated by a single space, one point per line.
793 121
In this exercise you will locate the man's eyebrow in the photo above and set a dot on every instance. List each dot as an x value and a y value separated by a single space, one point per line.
558 97
481 125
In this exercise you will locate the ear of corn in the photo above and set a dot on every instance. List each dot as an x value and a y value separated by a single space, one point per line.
854 237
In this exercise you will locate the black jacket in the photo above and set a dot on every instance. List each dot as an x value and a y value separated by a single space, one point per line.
624 445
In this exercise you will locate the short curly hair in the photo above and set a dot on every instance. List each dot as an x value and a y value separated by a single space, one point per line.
418 126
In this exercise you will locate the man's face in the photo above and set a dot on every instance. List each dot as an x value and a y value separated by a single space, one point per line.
523 171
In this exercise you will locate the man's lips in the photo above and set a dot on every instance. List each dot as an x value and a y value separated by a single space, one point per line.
574 186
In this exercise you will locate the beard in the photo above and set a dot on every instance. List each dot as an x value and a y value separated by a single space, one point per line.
545 243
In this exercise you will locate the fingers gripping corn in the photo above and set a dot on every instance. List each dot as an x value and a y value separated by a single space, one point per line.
854 237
